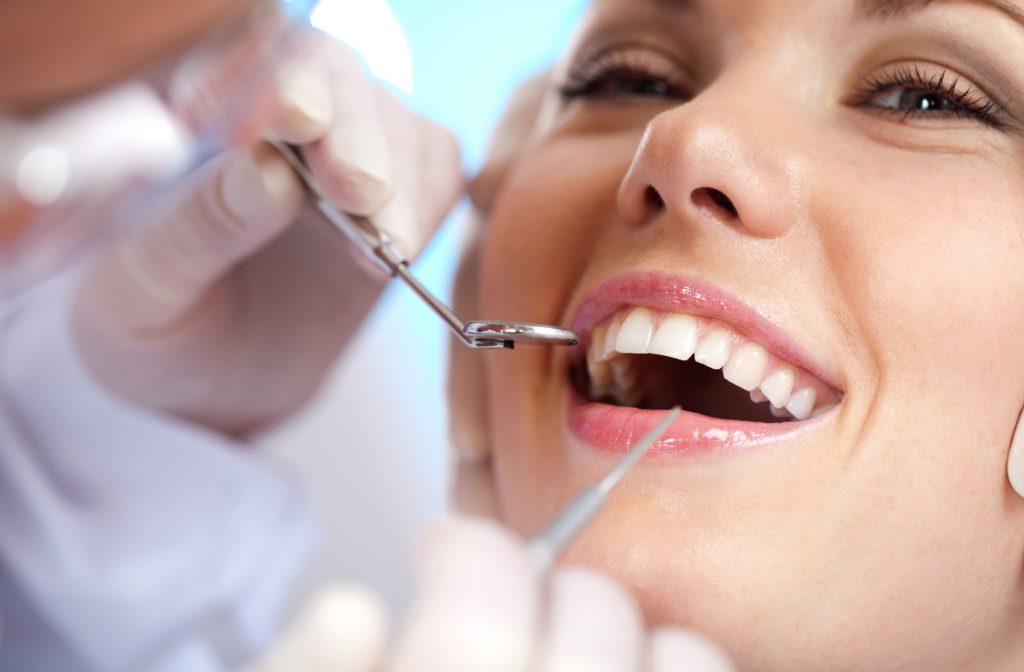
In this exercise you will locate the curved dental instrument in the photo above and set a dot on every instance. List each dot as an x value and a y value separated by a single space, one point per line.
548 544
376 246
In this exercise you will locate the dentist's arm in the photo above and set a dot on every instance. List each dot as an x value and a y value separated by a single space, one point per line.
230 308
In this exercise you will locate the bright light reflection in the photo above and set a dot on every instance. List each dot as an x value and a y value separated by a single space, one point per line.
371 28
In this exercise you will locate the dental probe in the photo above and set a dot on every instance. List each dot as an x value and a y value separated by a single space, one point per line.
548 544
379 249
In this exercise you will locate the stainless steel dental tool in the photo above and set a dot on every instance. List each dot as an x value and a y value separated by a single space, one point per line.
548 544
376 246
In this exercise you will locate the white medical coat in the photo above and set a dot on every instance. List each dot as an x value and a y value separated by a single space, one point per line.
129 541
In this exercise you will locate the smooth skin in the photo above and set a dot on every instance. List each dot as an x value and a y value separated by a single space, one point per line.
890 245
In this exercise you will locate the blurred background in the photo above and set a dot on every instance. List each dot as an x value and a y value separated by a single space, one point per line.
372 450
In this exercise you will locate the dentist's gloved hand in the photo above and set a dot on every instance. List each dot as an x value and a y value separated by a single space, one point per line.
480 606
230 308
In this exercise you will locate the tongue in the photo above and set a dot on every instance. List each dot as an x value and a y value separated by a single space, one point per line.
667 382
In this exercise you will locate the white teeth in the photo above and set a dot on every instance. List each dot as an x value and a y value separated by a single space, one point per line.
635 333
746 366
713 351
676 337
624 379
778 386
801 404
608 347
596 350
600 378
600 375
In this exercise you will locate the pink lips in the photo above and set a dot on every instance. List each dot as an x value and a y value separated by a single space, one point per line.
615 429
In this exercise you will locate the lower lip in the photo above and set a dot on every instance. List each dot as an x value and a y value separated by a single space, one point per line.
616 429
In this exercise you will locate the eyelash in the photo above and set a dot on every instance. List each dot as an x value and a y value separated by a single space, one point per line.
596 78
590 78
967 102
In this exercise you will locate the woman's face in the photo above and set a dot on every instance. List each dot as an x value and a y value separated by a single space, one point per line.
827 200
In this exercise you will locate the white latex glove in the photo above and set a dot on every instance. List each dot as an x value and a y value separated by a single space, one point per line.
480 606
231 307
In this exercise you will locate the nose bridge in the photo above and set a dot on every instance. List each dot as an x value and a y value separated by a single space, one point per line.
720 157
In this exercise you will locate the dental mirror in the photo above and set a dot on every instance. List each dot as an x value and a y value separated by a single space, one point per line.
376 246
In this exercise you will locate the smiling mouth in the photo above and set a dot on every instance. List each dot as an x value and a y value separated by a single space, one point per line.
647 359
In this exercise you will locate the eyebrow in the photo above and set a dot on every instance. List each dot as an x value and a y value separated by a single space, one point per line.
893 8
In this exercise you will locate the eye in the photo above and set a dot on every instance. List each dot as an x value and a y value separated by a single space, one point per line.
911 91
624 73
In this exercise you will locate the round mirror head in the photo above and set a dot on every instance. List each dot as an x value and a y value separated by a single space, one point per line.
507 334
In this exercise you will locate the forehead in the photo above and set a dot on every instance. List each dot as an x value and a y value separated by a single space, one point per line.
731 24
861 8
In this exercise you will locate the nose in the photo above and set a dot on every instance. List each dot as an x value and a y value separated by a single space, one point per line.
706 162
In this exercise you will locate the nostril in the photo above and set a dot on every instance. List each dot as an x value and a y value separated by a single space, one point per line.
723 202
653 199
702 196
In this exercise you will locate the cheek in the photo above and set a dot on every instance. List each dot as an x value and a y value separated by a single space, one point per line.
933 275
541 231
540 235
547 220
933 278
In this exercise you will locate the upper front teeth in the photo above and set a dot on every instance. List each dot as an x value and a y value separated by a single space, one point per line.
745 364
608 343
801 404
676 337
636 331
778 386
714 349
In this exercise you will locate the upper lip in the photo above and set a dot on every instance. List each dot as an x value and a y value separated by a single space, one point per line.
666 292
